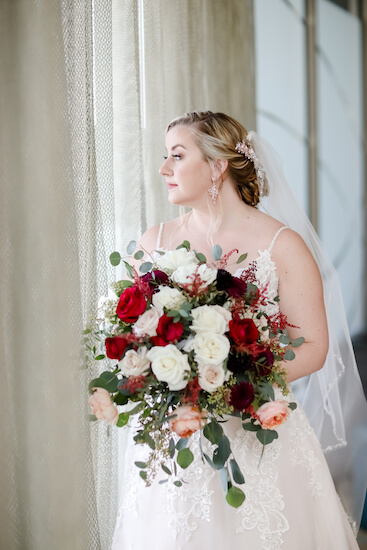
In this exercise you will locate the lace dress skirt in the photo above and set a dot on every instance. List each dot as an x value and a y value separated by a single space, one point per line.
291 502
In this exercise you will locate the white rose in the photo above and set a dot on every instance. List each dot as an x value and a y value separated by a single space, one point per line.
174 258
210 348
211 377
134 363
147 323
210 319
184 275
167 297
170 365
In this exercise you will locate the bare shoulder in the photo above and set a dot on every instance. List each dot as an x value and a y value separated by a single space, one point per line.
291 254
148 240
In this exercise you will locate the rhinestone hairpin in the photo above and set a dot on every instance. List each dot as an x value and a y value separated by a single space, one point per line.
246 149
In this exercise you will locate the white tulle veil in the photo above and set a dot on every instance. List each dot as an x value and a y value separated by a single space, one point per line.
332 397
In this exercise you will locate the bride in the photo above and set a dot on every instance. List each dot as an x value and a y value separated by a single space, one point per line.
223 174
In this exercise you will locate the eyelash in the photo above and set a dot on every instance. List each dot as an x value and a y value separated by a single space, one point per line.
176 157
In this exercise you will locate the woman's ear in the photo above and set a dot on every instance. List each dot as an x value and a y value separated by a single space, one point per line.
220 166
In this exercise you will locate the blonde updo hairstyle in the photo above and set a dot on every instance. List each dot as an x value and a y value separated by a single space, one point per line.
217 135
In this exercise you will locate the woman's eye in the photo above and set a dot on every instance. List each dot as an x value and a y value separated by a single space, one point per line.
177 157
165 157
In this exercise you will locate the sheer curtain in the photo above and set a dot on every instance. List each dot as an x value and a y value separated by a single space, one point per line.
56 229
87 88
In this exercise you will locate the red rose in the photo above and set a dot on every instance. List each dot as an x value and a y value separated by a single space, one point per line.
243 331
167 331
132 304
242 395
115 347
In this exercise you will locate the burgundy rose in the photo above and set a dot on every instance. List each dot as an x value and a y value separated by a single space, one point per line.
167 331
242 395
115 347
132 304
233 285
243 331
239 364
264 367
155 278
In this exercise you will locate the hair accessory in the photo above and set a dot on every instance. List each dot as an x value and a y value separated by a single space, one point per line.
213 191
245 148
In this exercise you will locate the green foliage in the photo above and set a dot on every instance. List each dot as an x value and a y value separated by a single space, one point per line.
266 436
216 252
131 247
298 342
213 431
181 443
292 406
166 470
235 497
185 457
115 258
241 258
145 267
236 472
123 420
289 355
185 244
251 427
139 255
129 269
201 257
107 380
284 339
222 452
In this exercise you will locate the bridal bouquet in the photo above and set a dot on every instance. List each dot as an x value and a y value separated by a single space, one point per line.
188 344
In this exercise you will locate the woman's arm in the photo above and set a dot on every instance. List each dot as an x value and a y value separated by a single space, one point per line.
301 300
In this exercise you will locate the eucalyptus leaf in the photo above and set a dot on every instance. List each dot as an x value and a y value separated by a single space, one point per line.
143 474
200 256
181 444
289 355
92 417
235 497
178 483
222 452
242 258
224 477
209 461
115 258
298 342
216 252
120 399
129 269
213 432
107 380
292 406
161 481
266 436
251 427
166 470
184 458
122 420
145 267
140 464
138 255
236 472
284 339
131 247
171 447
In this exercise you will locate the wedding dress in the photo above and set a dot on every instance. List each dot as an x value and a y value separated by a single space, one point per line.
291 502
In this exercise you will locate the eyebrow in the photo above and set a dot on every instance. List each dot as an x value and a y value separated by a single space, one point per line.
177 145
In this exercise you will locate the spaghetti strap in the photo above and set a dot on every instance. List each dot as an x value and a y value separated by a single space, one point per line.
159 238
276 236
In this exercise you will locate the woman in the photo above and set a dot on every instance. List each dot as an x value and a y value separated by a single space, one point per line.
213 168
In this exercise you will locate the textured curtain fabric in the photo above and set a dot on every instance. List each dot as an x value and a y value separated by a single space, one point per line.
56 228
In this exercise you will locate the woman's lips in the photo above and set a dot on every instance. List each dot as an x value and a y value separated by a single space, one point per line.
171 185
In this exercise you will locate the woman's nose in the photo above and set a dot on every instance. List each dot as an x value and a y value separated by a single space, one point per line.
165 169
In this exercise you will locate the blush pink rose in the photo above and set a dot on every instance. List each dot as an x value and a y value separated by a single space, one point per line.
189 419
272 414
102 406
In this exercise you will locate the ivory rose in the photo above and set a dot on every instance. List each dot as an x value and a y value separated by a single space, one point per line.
170 365
184 275
167 297
272 414
102 406
135 363
213 319
209 348
211 377
146 325
176 258
188 420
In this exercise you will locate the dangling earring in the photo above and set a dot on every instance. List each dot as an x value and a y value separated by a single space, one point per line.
213 191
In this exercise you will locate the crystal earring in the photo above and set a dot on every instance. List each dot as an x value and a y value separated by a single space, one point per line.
213 191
